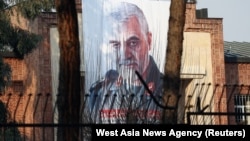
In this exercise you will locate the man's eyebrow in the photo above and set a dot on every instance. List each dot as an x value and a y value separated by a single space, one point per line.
113 41
134 38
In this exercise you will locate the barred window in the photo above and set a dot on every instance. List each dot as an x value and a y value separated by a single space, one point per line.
242 106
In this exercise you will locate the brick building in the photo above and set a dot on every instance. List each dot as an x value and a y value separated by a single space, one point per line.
237 67
210 80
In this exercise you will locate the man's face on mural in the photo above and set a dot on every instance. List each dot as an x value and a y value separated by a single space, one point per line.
131 46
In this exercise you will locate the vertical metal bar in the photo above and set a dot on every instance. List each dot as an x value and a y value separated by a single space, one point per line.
111 106
120 109
7 104
105 99
92 110
7 107
37 102
83 107
44 110
188 118
18 102
141 103
24 114
128 117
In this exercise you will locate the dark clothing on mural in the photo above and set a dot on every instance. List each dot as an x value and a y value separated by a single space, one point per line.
112 102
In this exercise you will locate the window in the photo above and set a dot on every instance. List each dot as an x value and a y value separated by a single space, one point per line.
18 86
242 106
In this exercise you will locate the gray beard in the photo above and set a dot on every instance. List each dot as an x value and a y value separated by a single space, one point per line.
128 75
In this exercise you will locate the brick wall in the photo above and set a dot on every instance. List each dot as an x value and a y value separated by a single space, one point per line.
238 82
213 26
29 99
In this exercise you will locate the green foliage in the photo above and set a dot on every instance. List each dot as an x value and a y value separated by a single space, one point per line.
5 75
19 41
16 40
31 8
2 4
10 133
23 42
3 113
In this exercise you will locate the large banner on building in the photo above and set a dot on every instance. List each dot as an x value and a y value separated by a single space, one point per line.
124 56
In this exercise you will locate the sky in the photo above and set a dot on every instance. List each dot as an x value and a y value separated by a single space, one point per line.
235 14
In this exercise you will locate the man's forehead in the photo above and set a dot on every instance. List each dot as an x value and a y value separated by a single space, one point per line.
116 36
116 30
122 30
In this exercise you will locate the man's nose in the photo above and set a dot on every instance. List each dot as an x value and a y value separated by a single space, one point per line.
126 52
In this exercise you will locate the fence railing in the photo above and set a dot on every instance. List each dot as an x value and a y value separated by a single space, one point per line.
34 117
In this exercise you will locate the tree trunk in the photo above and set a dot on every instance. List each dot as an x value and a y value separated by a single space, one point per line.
69 70
173 59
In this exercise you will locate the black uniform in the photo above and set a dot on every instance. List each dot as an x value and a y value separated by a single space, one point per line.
113 102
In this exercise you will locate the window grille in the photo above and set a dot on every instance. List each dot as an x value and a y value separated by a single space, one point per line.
242 106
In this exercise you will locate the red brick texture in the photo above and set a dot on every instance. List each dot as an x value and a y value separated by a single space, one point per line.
213 26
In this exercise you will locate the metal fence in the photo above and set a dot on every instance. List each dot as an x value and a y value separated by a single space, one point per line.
34 117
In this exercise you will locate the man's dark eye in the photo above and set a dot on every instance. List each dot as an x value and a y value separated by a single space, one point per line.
133 43
115 45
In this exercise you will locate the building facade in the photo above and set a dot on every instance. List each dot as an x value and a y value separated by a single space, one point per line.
210 83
